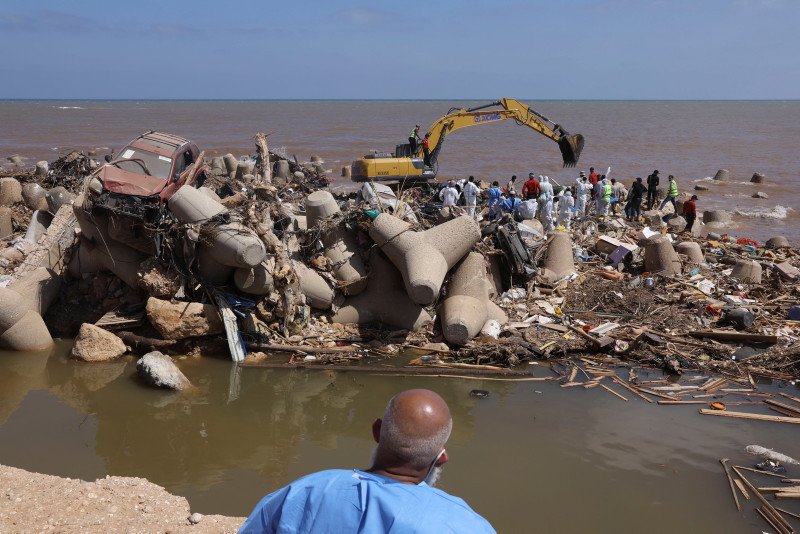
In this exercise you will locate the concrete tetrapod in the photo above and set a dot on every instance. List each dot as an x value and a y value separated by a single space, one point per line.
21 328
341 247
258 280
558 260
424 258
467 306
660 256
318 293
384 301
748 271
692 251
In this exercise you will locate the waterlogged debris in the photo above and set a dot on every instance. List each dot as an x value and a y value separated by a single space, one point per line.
769 454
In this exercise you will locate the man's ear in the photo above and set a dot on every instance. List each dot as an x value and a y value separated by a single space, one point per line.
442 459
376 429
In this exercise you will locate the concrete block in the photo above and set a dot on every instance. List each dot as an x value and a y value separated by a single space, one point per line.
722 174
692 251
384 301
758 178
230 163
41 169
34 196
37 226
235 245
787 271
346 171
676 224
660 256
318 293
424 258
716 216
6 222
242 169
57 197
466 308
559 260
256 281
747 271
282 169
210 270
341 247
99 252
190 205
10 191
38 288
777 242
21 328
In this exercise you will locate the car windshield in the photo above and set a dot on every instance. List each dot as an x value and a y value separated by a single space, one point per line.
156 165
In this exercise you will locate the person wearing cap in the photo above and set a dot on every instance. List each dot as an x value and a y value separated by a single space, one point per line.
449 195
470 192
510 204
690 212
413 139
495 195
652 189
531 189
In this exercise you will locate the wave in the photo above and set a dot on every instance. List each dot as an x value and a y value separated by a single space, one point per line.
775 212
706 179
69 107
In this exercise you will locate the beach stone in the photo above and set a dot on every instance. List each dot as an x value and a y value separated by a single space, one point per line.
158 370
41 169
716 216
777 242
758 178
57 197
722 174
6 222
34 196
179 320
10 191
95 344
699 187
195 518
760 194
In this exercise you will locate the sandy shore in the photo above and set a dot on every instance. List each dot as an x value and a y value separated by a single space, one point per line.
32 502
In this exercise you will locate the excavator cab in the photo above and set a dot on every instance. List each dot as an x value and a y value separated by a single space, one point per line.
571 146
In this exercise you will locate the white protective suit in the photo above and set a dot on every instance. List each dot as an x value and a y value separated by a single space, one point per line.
582 190
546 204
449 196
527 209
470 192
565 209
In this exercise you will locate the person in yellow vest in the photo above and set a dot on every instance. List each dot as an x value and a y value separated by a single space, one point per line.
414 140
605 199
672 195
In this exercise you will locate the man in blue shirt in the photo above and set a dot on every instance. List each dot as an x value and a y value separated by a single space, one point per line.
395 495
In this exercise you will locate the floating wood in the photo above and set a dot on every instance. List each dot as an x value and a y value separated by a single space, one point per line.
796 399
724 462
724 335
633 390
784 526
740 485
770 519
758 471
786 407
673 402
783 411
375 369
791 514
753 416
307 349
613 392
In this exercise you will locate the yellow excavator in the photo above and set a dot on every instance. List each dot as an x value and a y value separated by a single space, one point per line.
406 164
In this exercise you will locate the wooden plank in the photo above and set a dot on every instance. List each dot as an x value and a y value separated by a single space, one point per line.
624 384
784 406
779 519
674 402
791 514
723 335
724 462
770 519
757 471
740 485
613 392
753 416
783 411
796 399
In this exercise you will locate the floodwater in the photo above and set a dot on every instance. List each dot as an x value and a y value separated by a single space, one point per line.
530 457
689 139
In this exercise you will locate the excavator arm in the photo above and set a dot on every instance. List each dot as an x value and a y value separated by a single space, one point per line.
571 145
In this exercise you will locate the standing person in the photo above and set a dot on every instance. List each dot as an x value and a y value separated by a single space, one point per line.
582 191
597 194
605 198
690 212
511 185
494 195
546 203
395 494
617 195
470 193
633 207
449 195
565 205
652 189
593 178
510 204
672 195
531 189
426 150
413 139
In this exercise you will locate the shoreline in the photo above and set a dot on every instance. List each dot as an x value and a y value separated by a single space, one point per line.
38 502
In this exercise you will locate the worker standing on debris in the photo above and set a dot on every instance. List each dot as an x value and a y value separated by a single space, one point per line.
546 203
531 188
494 194
605 198
582 190
426 150
597 194
617 195
634 205
512 184
565 205
413 139
510 203
449 195
470 192
672 195
690 212
396 494
593 178
652 189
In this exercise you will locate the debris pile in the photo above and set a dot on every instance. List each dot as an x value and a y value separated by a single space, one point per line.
258 250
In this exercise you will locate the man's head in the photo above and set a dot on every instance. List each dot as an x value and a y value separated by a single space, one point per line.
613 180
511 193
471 179
694 197
412 434
531 176
416 128
513 177
655 171
495 183
427 135
639 179
671 177
451 183
591 169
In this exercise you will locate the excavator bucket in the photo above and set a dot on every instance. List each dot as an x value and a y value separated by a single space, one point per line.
571 147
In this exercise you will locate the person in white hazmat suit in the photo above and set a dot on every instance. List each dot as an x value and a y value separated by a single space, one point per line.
449 195
470 192
565 206
546 204
582 191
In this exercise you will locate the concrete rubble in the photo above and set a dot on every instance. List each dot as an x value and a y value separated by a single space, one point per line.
258 254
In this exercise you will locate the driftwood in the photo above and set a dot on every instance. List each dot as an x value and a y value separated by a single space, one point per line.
724 462
782 525
263 164
754 416
307 349
724 335
143 345
388 370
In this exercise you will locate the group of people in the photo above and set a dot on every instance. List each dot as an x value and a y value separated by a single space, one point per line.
597 193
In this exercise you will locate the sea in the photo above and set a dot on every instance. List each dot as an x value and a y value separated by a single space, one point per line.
688 139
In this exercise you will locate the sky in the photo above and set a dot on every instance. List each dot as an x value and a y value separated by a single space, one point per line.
449 49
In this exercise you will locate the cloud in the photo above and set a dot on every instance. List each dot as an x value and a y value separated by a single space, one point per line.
362 15
50 20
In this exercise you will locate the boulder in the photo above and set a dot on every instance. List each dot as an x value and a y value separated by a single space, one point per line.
10 191
758 178
760 194
158 370
95 344
34 196
57 197
777 242
722 174
676 224
699 187
179 320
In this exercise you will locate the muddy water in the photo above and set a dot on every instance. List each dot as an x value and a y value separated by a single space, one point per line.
688 139
530 457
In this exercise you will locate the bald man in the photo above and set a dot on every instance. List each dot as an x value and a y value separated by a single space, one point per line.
395 494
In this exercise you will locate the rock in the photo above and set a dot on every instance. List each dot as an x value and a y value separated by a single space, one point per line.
676 224
158 370
195 518
760 194
777 242
34 196
179 320
716 216
157 280
787 271
758 178
94 344
57 197
722 174
699 187
10 191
